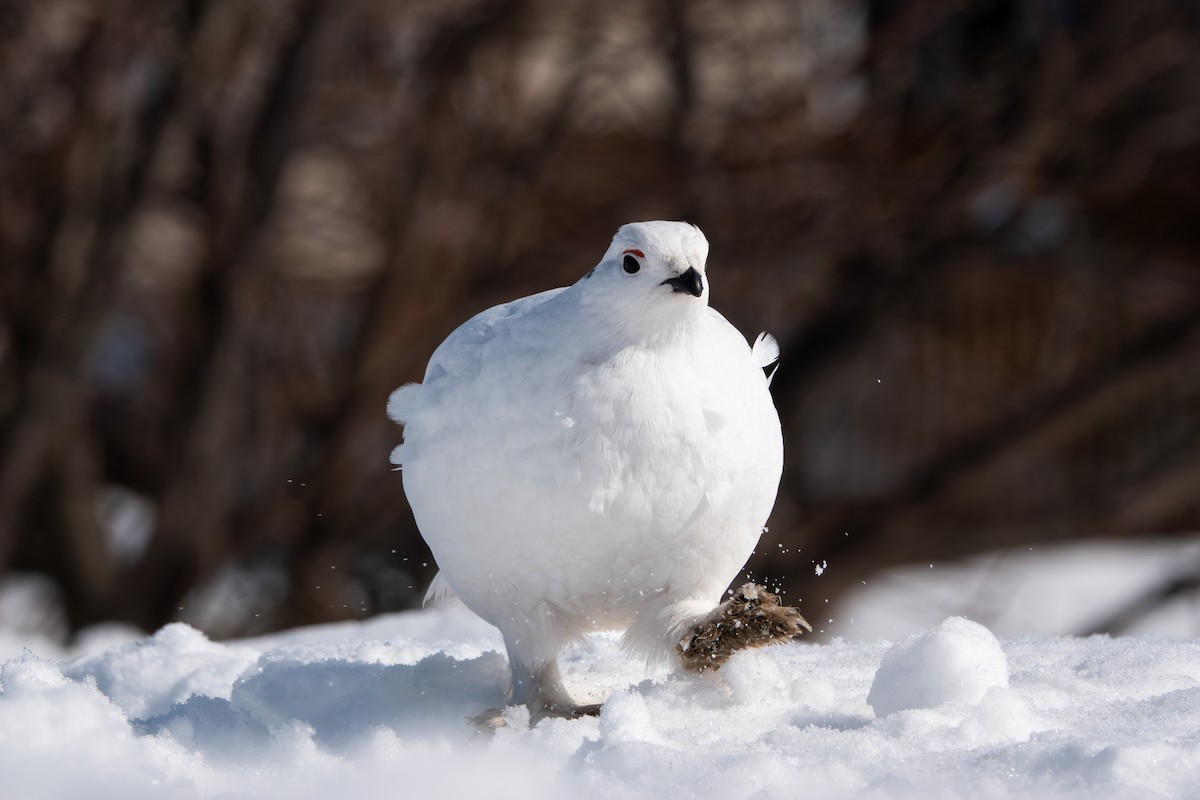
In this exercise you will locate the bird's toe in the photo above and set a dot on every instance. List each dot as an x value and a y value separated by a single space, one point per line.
562 711
486 723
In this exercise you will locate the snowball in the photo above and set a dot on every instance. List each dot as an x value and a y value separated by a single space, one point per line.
956 662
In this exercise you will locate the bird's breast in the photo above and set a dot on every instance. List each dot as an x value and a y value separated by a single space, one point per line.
601 483
651 441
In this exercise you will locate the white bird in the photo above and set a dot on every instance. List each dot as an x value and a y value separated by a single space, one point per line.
599 456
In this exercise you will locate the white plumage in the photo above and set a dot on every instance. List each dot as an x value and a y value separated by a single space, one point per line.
603 455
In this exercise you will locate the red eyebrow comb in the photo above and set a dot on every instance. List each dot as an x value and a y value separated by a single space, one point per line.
635 252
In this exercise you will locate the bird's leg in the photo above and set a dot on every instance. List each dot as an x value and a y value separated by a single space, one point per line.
753 617
538 687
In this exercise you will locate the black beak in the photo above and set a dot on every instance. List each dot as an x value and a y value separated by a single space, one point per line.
689 282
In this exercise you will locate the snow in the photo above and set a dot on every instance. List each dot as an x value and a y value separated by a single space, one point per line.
959 661
377 709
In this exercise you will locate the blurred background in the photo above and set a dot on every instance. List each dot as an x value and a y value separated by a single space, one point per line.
229 229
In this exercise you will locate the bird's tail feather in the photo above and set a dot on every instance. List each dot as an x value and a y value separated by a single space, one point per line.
765 353
439 590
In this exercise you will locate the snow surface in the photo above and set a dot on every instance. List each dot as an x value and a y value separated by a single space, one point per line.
377 709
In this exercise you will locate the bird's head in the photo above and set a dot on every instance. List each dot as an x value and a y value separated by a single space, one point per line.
652 275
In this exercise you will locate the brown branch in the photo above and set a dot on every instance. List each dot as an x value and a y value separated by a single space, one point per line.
886 532
194 531
78 261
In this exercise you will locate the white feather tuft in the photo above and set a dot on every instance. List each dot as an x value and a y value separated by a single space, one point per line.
402 401
765 351
439 590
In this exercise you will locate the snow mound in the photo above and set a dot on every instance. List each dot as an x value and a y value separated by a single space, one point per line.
956 662
151 676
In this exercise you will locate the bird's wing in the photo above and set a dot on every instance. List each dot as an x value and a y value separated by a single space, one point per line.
461 351
459 357
765 353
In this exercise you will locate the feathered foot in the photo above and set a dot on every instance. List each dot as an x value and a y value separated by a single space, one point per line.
753 617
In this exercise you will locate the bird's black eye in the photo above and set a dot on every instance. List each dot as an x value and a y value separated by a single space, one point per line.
630 264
